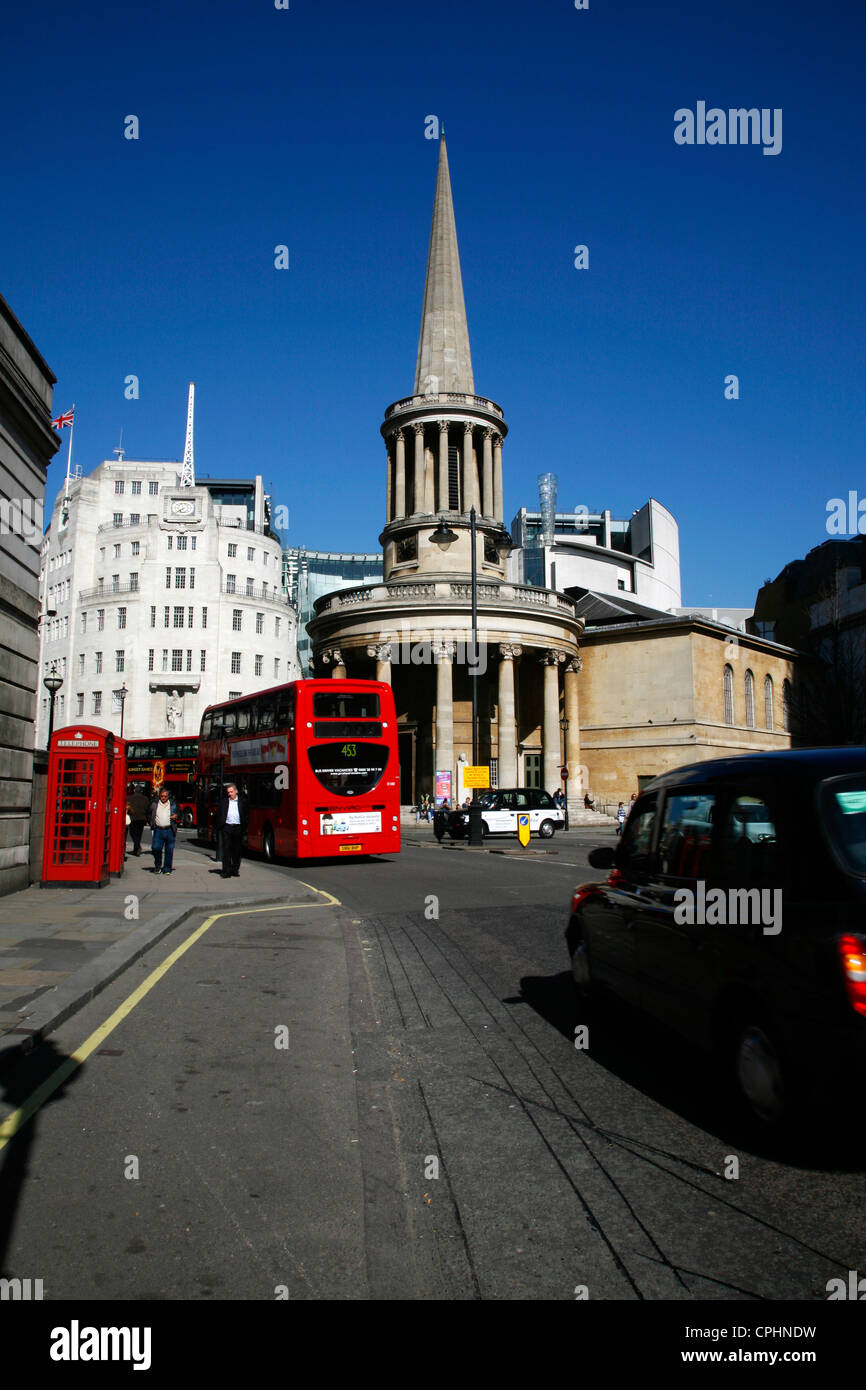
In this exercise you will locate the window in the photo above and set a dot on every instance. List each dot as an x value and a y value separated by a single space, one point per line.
768 701
786 706
747 846
251 554
236 663
100 586
169 541
99 663
231 581
189 658
117 518
177 617
81 664
165 658
204 617
100 619
84 622
153 489
686 834
260 622
121 617
97 702
203 660
259 660
118 487
79 705
136 488
181 543
234 694
117 552
249 586
750 700
166 616
189 615
120 661
150 655
237 619
180 577
177 658
192 577
133 582
135 518
233 550
153 615
276 668
135 548
61 701
634 855
192 541
277 622
115 583
168 576
728 694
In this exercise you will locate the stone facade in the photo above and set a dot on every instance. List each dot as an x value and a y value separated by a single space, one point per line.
27 446
653 698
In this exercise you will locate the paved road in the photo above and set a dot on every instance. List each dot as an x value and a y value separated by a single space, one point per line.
430 1131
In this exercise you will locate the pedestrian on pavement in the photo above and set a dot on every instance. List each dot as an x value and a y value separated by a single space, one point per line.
137 808
621 814
233 820
588 802
163 824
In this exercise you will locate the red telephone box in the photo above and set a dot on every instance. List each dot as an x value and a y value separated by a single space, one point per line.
78 799
117 839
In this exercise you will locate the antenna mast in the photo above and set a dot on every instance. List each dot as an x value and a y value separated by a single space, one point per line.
187 477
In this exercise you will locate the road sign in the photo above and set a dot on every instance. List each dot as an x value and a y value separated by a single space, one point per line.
476 777
523 827
563 772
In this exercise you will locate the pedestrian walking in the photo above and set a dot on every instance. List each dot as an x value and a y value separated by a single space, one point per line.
233 820
163 824
137 808
621 814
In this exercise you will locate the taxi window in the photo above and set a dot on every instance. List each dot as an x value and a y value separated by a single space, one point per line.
686 833
634 852
748 851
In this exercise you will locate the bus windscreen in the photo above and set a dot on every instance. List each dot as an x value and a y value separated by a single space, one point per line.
348 769
352 704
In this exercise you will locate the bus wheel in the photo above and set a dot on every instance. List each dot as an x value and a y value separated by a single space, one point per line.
268 850
188 817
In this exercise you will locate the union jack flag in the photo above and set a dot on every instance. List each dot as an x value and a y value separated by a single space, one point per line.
63 420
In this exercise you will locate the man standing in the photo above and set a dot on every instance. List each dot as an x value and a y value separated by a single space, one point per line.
137 807
232 823
163 823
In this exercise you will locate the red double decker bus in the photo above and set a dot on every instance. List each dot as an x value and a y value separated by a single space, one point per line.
172 762
317 761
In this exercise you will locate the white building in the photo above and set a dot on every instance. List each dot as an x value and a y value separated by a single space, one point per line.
174 592
597 552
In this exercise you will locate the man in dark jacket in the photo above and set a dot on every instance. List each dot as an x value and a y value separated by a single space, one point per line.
232 824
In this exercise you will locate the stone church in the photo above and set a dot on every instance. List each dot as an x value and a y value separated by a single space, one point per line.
443 484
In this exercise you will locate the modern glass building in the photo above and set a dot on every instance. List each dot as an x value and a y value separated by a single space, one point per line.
308 574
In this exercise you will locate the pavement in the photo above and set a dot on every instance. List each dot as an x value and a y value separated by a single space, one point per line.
61 946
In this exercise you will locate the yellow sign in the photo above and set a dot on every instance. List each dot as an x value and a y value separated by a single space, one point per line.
523 828
158 774
476 777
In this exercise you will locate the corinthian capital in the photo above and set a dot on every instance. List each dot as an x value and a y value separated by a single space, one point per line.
443 650
575 664
331 654
552 656
508 651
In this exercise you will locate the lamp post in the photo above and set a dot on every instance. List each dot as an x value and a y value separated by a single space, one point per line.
563 724
123 692
52 683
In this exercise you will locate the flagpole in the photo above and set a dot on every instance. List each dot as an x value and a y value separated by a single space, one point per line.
69 455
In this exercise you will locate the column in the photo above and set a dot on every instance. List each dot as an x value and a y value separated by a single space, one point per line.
418 505
487 473
443 466
381 651
389 490
400 476
574 790
429 482
444 653
507 716
468 469
550 734
497 477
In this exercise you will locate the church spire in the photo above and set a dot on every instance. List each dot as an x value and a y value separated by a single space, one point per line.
443 345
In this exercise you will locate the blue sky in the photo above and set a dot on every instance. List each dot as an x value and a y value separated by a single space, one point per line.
305 127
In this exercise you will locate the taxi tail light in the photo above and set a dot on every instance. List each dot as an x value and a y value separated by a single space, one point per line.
580 895
852 957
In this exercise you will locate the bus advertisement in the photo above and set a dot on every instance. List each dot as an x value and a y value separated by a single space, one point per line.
317 762
171 762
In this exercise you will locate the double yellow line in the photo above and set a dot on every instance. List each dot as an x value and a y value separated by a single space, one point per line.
18 1118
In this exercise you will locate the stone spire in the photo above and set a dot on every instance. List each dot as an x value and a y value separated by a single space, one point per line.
443 346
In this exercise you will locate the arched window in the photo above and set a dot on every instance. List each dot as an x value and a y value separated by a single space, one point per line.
750 700
768 701
728 690
786 706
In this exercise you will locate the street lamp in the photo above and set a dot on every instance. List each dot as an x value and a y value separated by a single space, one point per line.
122 692
563 724
52 683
